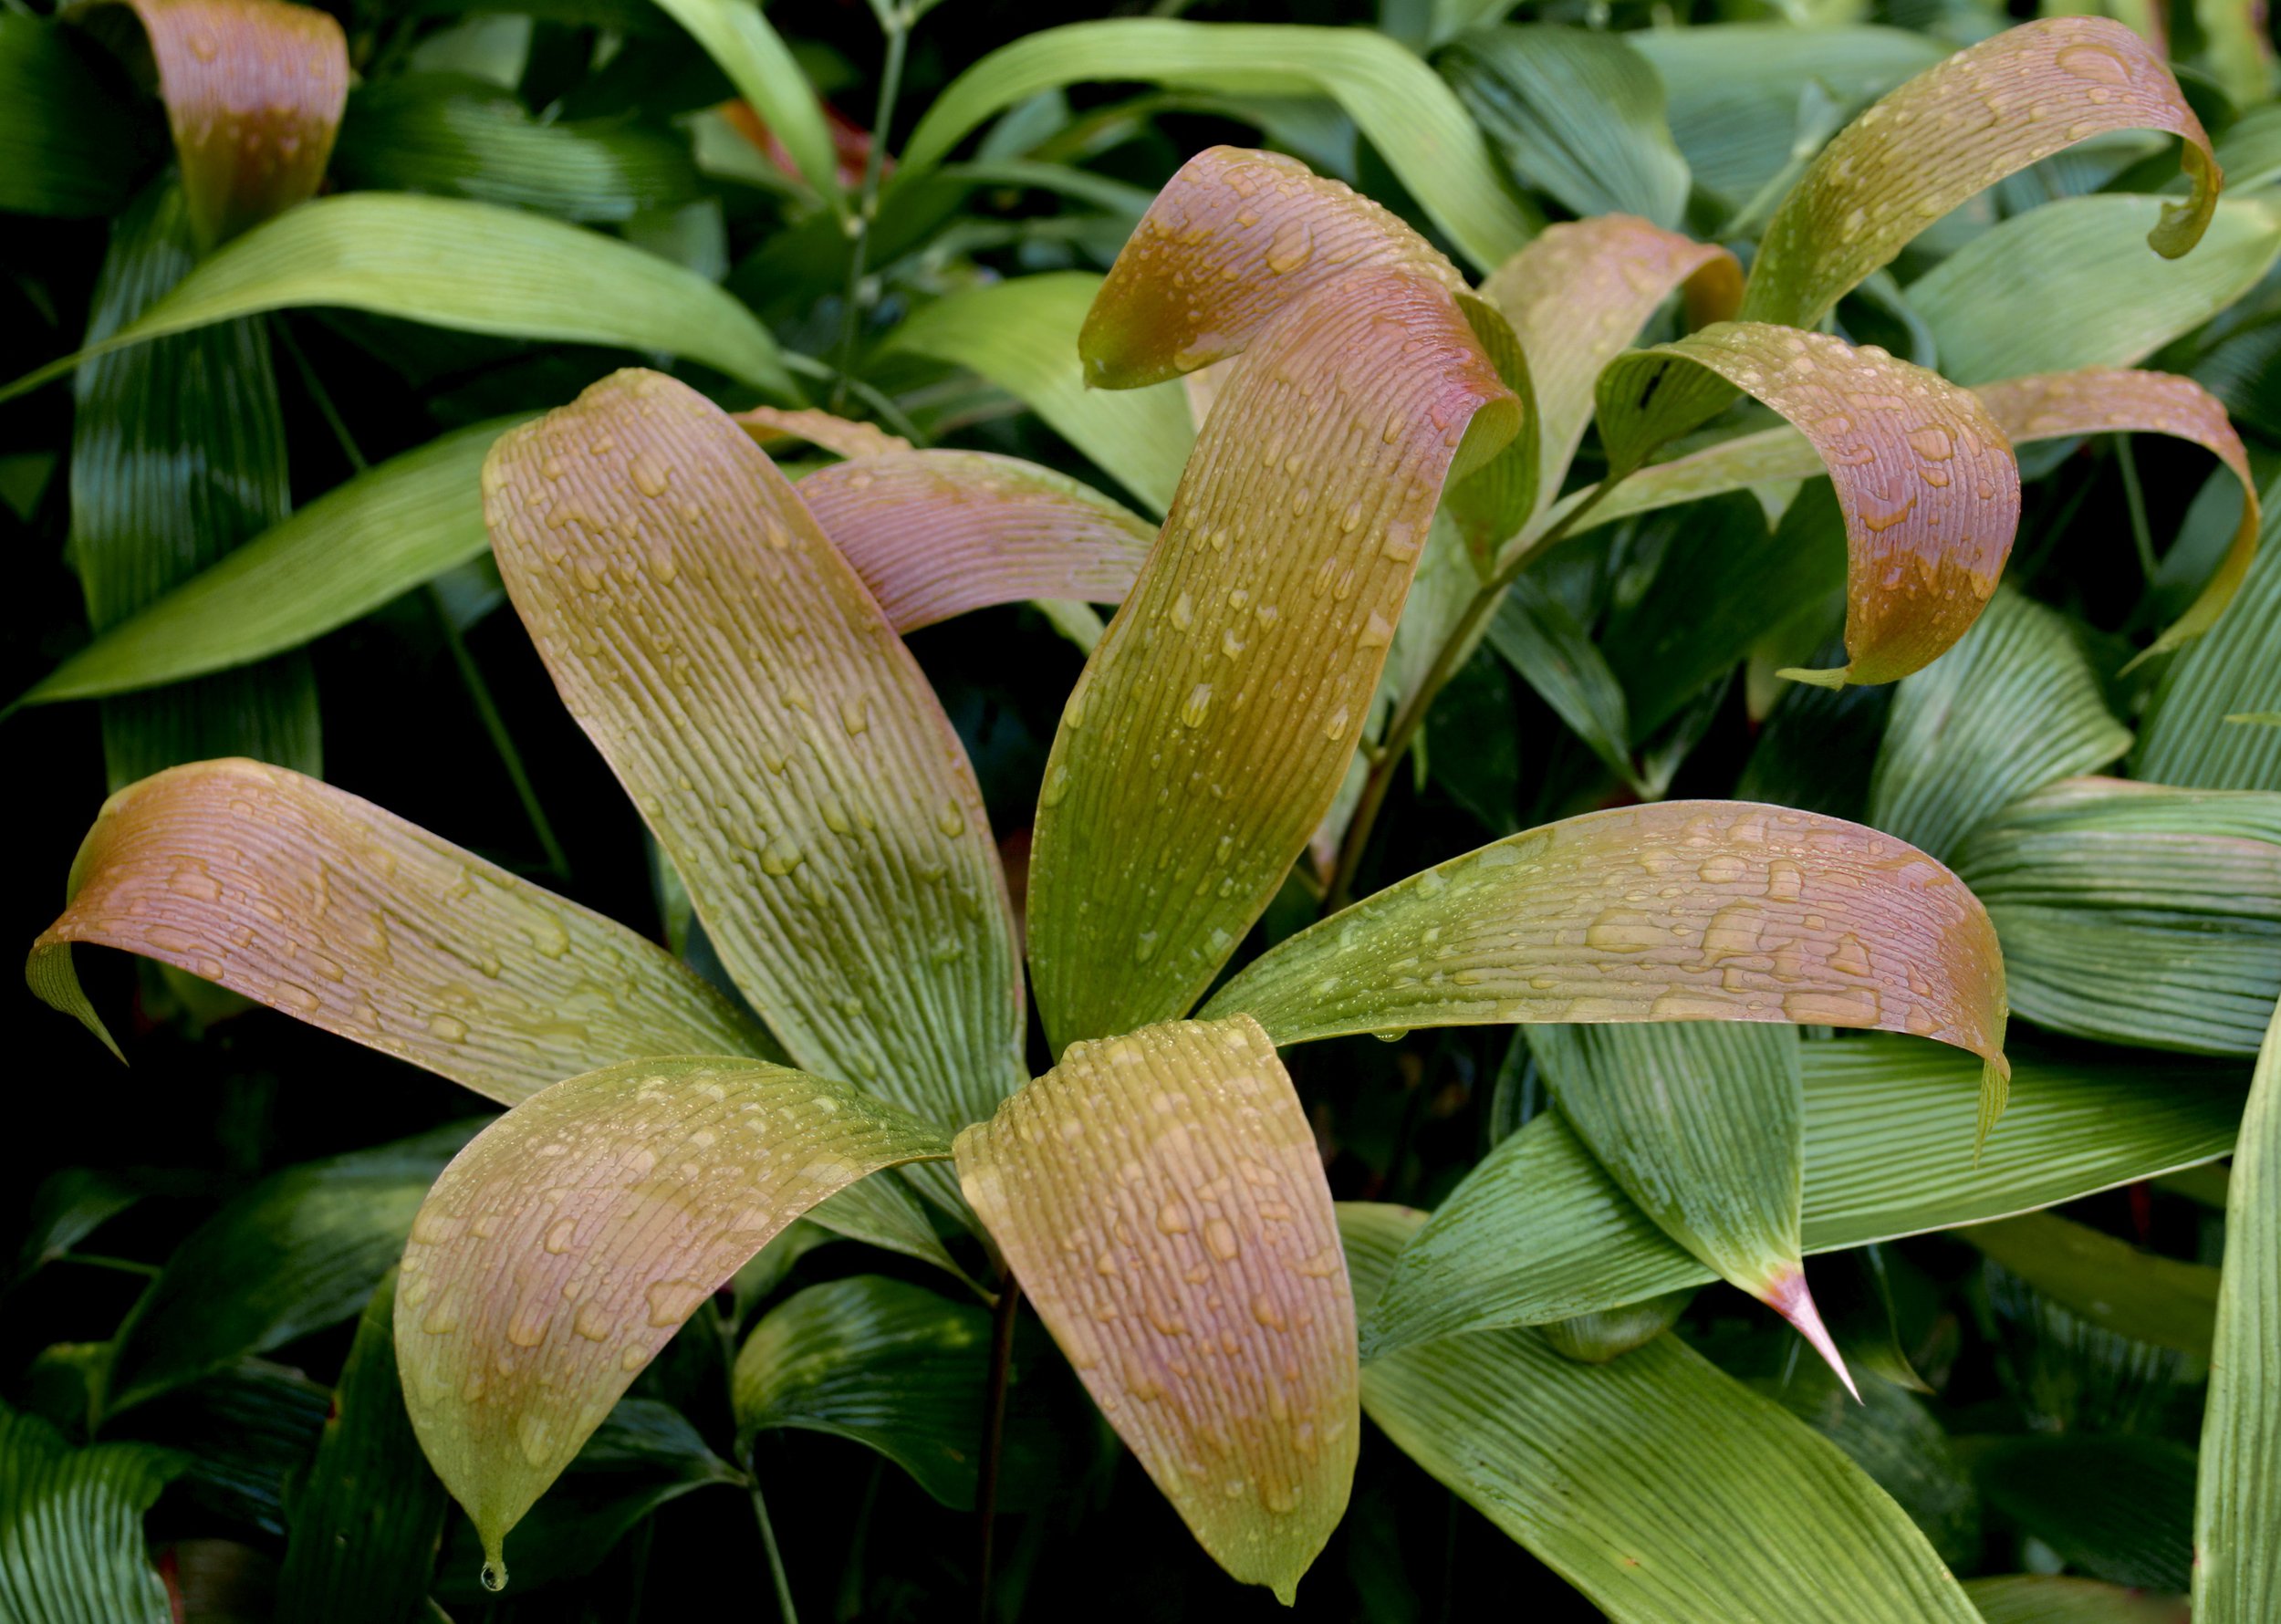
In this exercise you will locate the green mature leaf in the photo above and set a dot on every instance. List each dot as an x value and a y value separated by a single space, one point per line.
1771 915
354 548
1576 113
893 1367
1537 636
1414 120
2072 284
1555 1454
70 1204
1894 1437
2188 739
740 38
1537 1232
365 1521
1022 336
2119 1508
786 750
1702 1125
248 1432
299 1251
2138 913
70 144
569 1243
72 1527
458 137
2012 707
464 266
2237 1509
2042 1598
2110 1283
178 456
327 907
1161 1199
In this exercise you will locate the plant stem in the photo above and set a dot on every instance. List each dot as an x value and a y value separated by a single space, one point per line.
2135 497
1403 729
768 1540
994 1437
471 677
895 22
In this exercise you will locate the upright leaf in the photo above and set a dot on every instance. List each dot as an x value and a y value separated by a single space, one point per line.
776 734
1161 1199
738 36
2237 1506
2188 738
569 1243
71 1545
328 908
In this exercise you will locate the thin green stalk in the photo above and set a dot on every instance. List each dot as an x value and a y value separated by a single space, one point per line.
994 1437
97 1260
2134 497
789 1613
895 22
471 677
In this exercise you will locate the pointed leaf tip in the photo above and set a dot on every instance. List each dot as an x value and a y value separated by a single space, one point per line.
1789 1297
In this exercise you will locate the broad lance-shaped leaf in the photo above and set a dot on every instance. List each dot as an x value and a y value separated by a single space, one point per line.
2214 722
71 1526
1413 120
1702 911
2237 1507
69 147
1159 1198
2109 1282
1640 1481
324 906
1211 729
1924 475
1539 1232
937 533
567 1243
254 92
776 734
1703 1124
742 42
2137 913
464 266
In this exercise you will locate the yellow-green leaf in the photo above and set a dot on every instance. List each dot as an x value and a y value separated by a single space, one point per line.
567 1243
738 36
1160 1197
775 733
324 906
2110 1283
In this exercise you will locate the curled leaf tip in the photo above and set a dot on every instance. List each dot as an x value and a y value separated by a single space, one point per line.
1789 1297
1834 677
1996 1093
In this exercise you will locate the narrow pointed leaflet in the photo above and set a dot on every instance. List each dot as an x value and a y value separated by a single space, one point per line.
1924 476
776 734
1160 1197
566 1245
1211 729
322 905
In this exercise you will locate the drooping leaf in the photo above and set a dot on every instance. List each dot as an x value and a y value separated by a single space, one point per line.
2012 707
1022 336
69 146
1159 1198
323 906
2136 913
1538 1231
468 266
567 1243
1577 113
738 36
1775 916
2139 1294
2046 1599
1924 475
1414 120
382 533
782 743
71 1545
935 533
2237 1507
253 91
365 1521
2191 738
893 1367
1214 721
299 1251
1558 1454
1702 1125
2118 1508
1957 128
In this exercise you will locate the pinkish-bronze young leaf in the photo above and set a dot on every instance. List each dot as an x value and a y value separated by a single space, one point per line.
1160 1197
771 426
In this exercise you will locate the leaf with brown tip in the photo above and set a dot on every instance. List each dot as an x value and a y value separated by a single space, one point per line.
1253 231
1925 478
1958 129
775 733
1211 728
324 906
1161 1199
254 93
935 533
772 425
1682 911
567 1243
